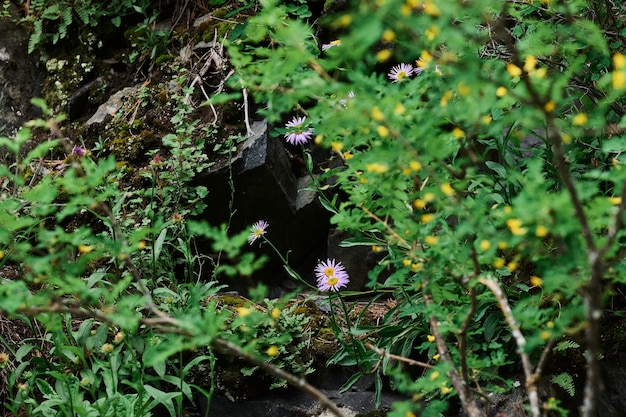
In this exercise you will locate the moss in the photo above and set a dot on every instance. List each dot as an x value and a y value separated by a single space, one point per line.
133 147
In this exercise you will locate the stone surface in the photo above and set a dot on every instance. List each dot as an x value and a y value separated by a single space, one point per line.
111 106
265 187
21 78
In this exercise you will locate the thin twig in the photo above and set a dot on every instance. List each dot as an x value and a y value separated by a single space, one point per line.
386 354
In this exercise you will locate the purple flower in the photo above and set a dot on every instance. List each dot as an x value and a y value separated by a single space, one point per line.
257 230
297 132
331 275
78 151
401 72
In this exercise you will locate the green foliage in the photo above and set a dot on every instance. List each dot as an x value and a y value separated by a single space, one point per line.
491 170
52 20
565 381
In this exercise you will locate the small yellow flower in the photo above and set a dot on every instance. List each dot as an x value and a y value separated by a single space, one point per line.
512 266
436 357
502 245
347 155
580 119
447 189
463 89
484 245
406 262
1 254
429 197
427 218
549 106
344 20
272 351
513 69
498 263
434 375
377 114
417 266
275 313
383 55
388 35
4 359
431 33
618 79
336 146
541 231
85 248
415 166
446 390
487 119
431 9
545 335
458 133
530 63
377 168
535 281
399 109
515 226
141 245
405 10
431 240
119 336
616 201
501 91
243 311
445 98
566 139
383 131
318 139
539 73
414 3
419 204
430 338
619 61
377 248
409 414
550 325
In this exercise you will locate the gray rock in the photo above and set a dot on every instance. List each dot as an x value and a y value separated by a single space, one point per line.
112 105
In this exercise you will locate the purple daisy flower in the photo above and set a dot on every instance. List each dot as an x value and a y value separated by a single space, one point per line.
297 133
257 230
327 46
401 72
331 275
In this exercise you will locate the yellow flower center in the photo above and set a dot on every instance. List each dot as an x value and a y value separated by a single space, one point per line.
329 272
332 281
401 75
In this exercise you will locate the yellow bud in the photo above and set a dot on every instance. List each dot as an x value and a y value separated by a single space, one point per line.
243 311
430 338
502 245
580 119
377 114
388 35
458 133
446 390
344 20
431 32
383 55
399 109
549 106
530 63
434 375
85 248
318 139
535 281
406 262
336 146
419 204
382 131
512 266
436 357
427 218
567 139
415 166
541 231
498 263
618 79
141 245
487 119
463 89
545 335
513 69
431 9
619 61
484 245
501 91
275 313
616 201
377 168
515 226
272 351
431 240
429 197
447 189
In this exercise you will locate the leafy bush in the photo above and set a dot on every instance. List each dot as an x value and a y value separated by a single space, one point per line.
479 147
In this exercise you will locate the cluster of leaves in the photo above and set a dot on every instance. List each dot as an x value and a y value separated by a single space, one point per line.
492 175
51 20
